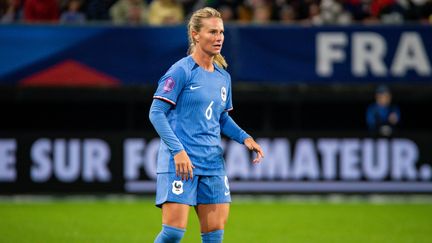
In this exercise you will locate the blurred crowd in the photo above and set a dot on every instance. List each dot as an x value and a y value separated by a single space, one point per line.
169 12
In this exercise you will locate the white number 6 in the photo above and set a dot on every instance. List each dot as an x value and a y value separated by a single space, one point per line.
209 111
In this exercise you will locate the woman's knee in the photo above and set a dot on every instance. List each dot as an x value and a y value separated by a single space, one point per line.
213 217
213 225
175 215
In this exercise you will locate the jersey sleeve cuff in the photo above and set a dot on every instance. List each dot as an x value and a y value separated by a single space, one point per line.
164 99
243 137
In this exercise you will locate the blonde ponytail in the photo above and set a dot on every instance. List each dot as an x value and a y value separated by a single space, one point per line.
220 61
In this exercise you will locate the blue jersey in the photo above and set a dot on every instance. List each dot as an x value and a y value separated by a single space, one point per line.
198 99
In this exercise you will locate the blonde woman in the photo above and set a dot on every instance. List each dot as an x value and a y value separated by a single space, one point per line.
189 112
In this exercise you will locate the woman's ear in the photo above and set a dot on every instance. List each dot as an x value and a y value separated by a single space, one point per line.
195 36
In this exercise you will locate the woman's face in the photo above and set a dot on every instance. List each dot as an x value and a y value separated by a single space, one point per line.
211 36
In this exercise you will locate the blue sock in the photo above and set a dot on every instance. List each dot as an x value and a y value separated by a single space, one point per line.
169 234
212 237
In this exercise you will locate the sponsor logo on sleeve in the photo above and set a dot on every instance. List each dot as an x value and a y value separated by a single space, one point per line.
169 84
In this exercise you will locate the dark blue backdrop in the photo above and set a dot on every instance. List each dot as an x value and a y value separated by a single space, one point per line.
263 54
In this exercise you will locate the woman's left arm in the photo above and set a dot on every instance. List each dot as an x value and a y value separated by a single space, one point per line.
233 131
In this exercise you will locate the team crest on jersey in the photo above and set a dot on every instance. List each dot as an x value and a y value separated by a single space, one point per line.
169 84
177 187
223 93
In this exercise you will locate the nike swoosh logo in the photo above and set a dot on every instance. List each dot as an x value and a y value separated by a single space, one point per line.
227 193
194 87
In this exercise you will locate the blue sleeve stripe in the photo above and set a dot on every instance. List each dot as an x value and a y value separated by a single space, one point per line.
164 99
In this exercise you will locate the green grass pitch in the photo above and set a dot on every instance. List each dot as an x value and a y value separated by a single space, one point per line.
250 221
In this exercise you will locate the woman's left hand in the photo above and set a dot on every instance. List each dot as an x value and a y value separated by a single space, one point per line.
254 146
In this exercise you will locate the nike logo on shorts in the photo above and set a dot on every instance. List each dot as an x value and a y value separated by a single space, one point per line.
227 193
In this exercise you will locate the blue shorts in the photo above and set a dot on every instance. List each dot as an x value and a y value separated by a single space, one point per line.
199 190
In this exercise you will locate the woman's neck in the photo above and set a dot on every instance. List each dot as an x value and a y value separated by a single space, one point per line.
203 60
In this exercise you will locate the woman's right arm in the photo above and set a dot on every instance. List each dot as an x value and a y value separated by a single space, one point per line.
158 117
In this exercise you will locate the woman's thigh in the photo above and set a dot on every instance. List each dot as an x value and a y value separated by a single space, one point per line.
175 214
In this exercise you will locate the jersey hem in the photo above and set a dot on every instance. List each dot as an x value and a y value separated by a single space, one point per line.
219 172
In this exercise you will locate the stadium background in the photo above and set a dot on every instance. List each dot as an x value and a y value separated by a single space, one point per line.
74 104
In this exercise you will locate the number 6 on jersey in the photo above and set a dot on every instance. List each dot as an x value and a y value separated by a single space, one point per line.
209 111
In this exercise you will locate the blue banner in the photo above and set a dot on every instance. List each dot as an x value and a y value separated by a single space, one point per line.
110 55
355 54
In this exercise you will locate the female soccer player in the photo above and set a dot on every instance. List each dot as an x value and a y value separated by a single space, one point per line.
189 112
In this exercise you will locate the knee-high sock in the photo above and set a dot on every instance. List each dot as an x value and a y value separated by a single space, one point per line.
169 234
212 237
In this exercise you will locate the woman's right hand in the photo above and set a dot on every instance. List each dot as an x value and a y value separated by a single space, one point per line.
183 165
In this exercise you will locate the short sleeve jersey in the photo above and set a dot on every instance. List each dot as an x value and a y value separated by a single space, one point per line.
198 98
